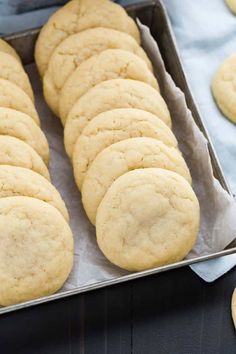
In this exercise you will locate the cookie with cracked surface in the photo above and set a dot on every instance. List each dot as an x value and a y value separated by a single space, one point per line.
77 16
223 87
232 5
111 94
15 152
111 127
233 307
12 70
77 48
18 181
109 64
148 218
7 48
12 96
122 157
23 127
36 249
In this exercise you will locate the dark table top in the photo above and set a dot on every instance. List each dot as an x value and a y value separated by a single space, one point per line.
170 313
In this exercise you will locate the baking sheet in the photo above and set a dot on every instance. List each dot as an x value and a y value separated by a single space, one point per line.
218 209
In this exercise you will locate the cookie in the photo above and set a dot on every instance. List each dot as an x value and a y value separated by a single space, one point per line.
12 96
109 95
22 126
109 64
12 70
15 152
233 307
148 218
111 127
122 157
232 5
6 48
36 249
77 16
18 181
223 88
77 48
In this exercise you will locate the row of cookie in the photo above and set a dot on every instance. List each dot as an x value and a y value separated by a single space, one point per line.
76 32
107 147
35 237
100 83
115 142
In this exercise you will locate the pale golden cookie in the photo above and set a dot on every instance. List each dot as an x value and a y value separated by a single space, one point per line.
148 218
6 48
122 157
233 307
232 5
12 96
16 152
12 70
109 64
111 127
109 95
77 48
77 16
223 87
18 181
36 249
22 126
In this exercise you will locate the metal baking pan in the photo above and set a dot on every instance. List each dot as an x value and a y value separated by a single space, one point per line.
154 15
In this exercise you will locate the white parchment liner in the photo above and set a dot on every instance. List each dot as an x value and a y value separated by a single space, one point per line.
218 209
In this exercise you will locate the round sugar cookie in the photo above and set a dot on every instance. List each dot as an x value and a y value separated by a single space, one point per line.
77 16
111 127
12 96
122 157
12 70
22 126
77 48
148 218
18 181
232 5
36 249
109 64
111 94
7 48
223 87
233 307
16 152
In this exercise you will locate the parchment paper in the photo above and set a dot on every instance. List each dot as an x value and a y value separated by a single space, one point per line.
218 209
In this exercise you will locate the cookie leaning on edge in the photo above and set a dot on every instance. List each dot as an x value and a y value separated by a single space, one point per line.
121 157
233 307
109 64
15 152
148 218
12 96
111 94
223 87
113 126
18 181
77 48
12 70
6 48
77 16
36 249
23 127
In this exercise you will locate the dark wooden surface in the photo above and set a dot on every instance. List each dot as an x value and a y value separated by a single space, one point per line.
170 313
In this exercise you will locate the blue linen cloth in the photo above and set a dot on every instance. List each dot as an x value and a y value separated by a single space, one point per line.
10 7
205 32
